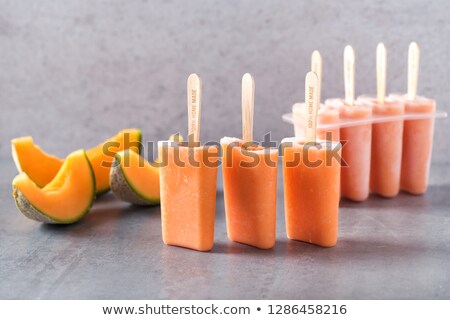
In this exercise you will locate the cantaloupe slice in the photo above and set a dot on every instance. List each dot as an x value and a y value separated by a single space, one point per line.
102 156
66 199
38 165
42 167
133 179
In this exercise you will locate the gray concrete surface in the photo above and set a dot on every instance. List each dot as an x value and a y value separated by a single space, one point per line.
74 72
391 249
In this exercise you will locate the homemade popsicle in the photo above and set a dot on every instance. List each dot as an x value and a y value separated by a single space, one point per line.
188 175
417 134
249 181
311 175
417 146
387 137
356 140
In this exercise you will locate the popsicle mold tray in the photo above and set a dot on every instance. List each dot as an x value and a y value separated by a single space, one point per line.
345 122
406 167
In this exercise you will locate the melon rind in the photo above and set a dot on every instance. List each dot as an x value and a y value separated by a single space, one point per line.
33 213
123 189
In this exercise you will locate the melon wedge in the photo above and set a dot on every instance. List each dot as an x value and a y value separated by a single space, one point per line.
66 199
102 156
42 167
133 179
38 165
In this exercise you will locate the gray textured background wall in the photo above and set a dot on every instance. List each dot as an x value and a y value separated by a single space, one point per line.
74 72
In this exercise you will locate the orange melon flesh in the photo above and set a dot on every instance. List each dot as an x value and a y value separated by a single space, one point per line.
38 165
311 192
250 192
386 154
188 194
101 157
141 176
42 167
66 199
134 180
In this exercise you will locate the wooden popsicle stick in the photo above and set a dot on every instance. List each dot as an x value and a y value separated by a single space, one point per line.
413 69
194 102
349 75
316 67
311 106
381 72
248 104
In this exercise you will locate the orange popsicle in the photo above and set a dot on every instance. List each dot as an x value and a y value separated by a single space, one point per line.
188 194
356 141
355 174
417 134
249 181
188 175
387 137
386 155
417 146
311 191
311 173
250 191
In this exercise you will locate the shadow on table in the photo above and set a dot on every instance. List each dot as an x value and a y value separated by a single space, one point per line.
345 250
435 196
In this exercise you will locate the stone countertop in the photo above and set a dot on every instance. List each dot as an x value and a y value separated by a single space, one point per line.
388 249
